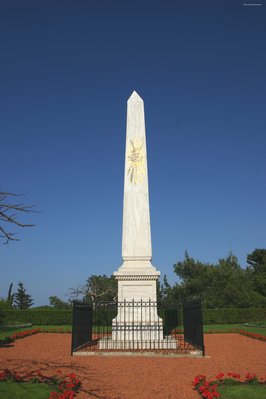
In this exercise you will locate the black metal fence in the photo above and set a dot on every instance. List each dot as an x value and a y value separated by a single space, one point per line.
137 326
82 325
193 326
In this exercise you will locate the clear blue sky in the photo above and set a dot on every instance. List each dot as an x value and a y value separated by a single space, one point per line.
67 69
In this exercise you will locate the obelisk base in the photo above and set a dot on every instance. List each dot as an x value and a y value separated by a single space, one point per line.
137 324
137 280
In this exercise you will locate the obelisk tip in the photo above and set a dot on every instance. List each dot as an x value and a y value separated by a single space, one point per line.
135 97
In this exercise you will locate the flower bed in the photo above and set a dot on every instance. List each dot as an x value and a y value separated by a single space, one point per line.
66 386
55 330
252 335
22 334
208 389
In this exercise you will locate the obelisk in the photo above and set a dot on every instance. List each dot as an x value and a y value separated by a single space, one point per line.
137 324
136 277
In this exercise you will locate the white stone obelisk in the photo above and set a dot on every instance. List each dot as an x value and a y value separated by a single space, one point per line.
136 277
137 324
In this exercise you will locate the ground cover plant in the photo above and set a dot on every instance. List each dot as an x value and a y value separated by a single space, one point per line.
231 386
7 332
42 386
27 390
256 332
258 328
242 392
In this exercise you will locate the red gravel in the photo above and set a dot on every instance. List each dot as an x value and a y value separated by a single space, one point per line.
136 377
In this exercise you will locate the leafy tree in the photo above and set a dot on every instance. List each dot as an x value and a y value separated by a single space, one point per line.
57 303
8 215
195 278
21 299
257 270
97 288
165 293
232 286
224 284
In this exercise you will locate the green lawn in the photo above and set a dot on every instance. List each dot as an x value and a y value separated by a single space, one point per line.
25 390
250 391
4 332
229 327
211 327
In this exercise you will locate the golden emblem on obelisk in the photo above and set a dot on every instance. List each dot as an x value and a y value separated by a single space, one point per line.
136 159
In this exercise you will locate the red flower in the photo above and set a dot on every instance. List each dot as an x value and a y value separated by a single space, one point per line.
219 376
202 388
250 377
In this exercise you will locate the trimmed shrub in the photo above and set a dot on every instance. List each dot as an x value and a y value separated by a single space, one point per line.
64 317
4 307
233 316
40 317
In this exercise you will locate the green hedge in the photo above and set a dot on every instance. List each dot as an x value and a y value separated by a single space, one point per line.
233 316
40 317
64 317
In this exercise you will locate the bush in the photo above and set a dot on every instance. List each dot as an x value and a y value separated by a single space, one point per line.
4 307
233 316
63 317
40 317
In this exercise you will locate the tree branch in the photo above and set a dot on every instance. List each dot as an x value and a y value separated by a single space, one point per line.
8 216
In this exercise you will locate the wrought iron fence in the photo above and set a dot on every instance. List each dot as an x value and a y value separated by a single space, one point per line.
136 326
193 326
81 325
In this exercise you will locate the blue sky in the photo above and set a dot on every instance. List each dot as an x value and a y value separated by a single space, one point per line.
67 69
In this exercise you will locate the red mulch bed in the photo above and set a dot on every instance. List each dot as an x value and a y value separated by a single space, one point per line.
136 377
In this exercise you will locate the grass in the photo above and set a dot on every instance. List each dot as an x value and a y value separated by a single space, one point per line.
4 332
229 327
25 390
250 391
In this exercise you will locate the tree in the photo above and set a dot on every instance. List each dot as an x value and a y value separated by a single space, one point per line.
97 288
224 284
257 270
10 296
21 299
8 215
194 278
165 293
57 303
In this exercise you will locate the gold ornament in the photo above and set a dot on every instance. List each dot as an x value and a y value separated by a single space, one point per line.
136 158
